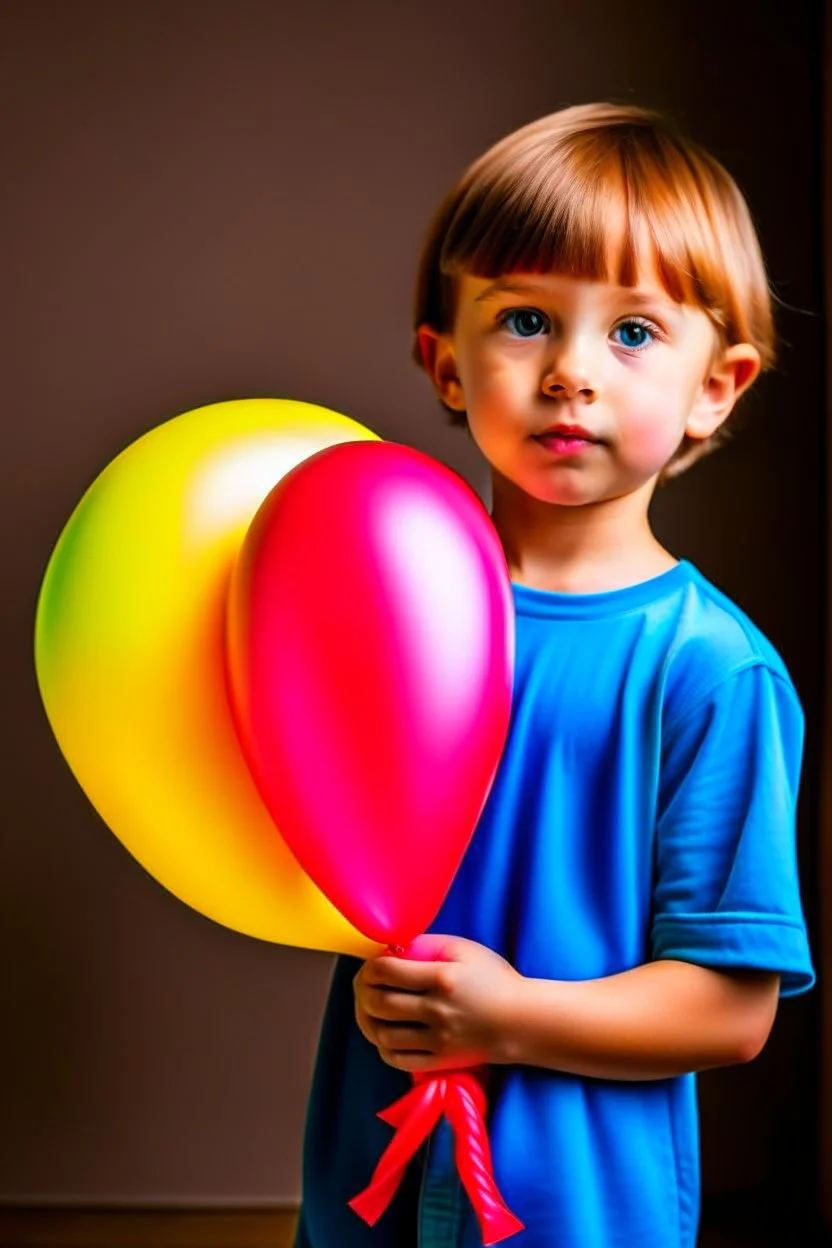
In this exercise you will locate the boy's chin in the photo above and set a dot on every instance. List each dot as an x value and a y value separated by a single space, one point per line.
569 493
574 495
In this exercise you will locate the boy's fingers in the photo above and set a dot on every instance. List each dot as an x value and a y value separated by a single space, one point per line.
390 1005
403 1039
397 973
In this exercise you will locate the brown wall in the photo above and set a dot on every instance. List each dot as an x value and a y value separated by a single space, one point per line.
206 200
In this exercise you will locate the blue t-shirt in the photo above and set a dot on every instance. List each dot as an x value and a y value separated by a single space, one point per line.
644 808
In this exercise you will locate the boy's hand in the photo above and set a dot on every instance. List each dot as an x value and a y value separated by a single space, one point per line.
437 1014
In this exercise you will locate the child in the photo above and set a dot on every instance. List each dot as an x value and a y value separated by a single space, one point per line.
592 302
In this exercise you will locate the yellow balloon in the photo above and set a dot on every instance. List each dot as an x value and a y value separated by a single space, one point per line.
129 653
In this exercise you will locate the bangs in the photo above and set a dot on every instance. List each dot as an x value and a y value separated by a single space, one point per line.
613 200
558 218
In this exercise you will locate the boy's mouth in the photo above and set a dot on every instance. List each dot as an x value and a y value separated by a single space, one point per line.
568 431
566 439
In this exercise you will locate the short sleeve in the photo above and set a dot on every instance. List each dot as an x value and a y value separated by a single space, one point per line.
726 892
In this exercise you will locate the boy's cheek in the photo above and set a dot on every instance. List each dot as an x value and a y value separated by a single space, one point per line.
651 437
500 412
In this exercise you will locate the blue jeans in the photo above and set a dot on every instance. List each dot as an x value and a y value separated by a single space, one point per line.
442 1199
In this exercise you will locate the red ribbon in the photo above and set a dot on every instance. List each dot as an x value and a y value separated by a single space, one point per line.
458 1094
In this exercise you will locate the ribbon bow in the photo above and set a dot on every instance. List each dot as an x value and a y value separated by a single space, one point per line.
460 1095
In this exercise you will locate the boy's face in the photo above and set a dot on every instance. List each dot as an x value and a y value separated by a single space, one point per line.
576 391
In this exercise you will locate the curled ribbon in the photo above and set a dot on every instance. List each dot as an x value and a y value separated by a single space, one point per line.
459 1094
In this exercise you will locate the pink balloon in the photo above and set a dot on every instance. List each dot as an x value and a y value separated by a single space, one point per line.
370 664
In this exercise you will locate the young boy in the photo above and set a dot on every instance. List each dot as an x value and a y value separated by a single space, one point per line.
592 302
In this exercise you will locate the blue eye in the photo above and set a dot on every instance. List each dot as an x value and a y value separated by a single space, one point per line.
524 322
635 335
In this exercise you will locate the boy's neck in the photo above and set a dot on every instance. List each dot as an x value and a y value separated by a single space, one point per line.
578 550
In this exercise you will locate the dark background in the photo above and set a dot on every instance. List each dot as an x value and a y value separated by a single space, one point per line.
210 200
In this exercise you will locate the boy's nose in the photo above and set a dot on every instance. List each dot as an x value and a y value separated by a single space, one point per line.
559 385
568 376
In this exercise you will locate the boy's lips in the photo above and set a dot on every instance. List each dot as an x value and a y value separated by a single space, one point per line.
568 431
566 439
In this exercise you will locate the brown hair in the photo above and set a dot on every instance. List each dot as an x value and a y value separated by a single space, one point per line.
538 200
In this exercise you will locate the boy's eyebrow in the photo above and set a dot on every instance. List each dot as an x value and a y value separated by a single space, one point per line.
503 285
507 285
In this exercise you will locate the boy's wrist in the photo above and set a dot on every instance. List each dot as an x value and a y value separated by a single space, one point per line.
512 1047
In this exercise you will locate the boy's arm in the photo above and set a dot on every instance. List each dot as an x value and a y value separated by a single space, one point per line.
652 1022
655 1021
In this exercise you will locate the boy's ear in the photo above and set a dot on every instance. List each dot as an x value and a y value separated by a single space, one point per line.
440 365
731 372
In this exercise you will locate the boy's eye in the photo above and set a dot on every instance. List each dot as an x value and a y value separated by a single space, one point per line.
635 334
524 322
